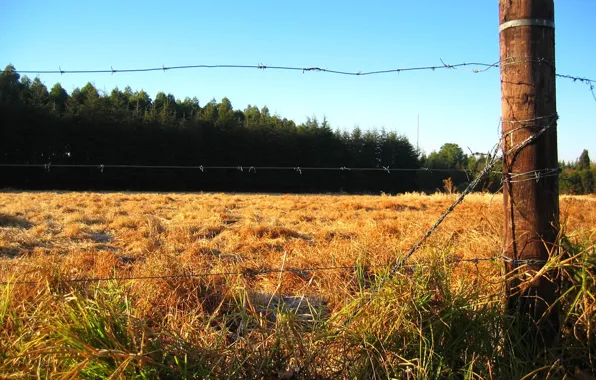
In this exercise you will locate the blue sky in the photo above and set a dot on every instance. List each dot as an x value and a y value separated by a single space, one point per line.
454 106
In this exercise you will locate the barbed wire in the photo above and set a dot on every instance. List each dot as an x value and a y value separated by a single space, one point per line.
532 175
242 168
484 67
589 82
249 272
576 78
492 160
490 163
516 148
302 69
519 262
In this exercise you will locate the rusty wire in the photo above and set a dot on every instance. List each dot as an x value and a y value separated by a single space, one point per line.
246 272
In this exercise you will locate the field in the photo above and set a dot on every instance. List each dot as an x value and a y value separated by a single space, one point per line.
208 298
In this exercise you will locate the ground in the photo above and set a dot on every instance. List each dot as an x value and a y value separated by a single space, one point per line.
50 238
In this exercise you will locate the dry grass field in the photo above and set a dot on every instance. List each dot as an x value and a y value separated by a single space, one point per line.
437 319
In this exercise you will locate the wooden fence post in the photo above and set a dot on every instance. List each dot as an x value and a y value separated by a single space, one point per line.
530 163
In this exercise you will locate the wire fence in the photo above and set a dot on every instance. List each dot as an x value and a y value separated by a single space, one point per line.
252 272
481 67
241 168
475 67
535 175
492 159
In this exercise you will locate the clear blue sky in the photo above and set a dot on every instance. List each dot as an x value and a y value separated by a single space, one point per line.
454 106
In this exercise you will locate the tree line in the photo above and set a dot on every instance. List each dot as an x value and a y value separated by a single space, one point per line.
126 127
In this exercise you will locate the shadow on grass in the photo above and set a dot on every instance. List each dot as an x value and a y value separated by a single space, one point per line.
14 221
9 252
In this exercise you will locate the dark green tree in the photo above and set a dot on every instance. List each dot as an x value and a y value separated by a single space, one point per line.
209 112
58 98
119 104
226 119
11 89
141 104
450 156
584 161
188 108
574 183
38 94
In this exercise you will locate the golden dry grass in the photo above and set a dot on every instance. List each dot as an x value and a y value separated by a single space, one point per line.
76 235
49 237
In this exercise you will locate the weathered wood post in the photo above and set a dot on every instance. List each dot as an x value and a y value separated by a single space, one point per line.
530 163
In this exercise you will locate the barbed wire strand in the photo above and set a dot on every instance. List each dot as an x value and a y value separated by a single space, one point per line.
245 272
249 168
533 175
303 69
531 138
491 162
263 67
484 67
536 174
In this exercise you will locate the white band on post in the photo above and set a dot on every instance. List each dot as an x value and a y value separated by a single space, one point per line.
527 22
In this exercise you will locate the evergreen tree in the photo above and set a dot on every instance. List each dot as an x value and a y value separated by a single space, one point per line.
38 94
11 90
584 161
58 98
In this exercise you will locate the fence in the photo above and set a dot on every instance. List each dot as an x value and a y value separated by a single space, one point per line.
492 159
